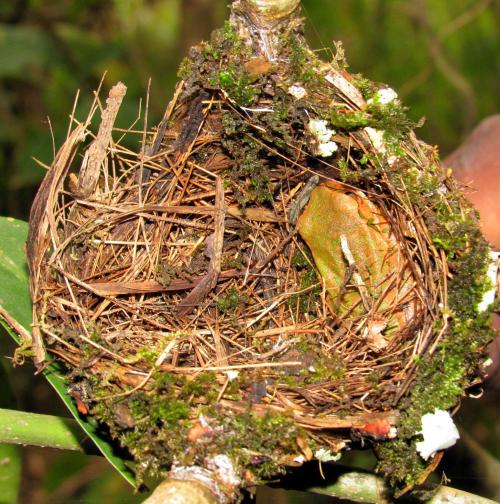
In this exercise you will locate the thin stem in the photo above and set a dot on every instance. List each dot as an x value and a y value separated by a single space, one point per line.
181 492
19 427
347 484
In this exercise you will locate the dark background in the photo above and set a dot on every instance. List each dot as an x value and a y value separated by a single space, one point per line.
441 56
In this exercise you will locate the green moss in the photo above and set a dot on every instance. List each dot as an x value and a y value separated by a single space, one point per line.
165 273
169 412
443 377
165 381
327 367
230 302
249 172
185 68
392 118
257 442
232 263
301 260
201 385
469 282
350 120
94 332
307 301
399 462
210 52
230 36
238 85
138 405
347 174
298 58
148 354
366 86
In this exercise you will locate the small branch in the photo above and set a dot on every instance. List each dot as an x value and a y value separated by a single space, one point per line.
181 492
346 484
196 296
265 20
97 152
22 428
363 291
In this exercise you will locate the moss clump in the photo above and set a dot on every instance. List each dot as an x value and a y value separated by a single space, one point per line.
258 442
307 299
299 58
391 118
326 367
230 302
401 462
161 417
250 175
444 376
237 84
350 120
159 422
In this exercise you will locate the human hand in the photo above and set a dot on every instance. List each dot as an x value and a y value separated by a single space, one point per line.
476 165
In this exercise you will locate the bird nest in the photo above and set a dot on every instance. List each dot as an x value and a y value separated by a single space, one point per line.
264 274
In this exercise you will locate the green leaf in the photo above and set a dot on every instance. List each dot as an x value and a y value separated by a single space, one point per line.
10 473
15 299
14 291
22 48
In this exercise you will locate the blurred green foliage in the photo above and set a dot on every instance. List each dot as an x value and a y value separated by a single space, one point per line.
441 56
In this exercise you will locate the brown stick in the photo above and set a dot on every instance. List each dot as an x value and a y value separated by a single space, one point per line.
212 276
98 150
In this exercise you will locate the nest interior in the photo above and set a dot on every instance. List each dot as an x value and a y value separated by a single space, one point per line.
280 267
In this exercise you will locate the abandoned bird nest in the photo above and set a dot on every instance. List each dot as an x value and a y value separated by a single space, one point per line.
280 269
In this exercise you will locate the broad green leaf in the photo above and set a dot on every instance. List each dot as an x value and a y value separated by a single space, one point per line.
10 473
15 299
358 258
22 48
341 227
14 290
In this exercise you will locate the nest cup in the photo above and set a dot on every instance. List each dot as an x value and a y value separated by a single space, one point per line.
269 277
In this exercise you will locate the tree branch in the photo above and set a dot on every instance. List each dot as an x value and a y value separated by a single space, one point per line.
22 428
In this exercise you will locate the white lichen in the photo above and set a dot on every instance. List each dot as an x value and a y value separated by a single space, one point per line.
377 139
326 455
319 128
297 91
488 362
322 134
222 466
490 294
384 96
232 375
393 433
327 149
300 459
439 432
